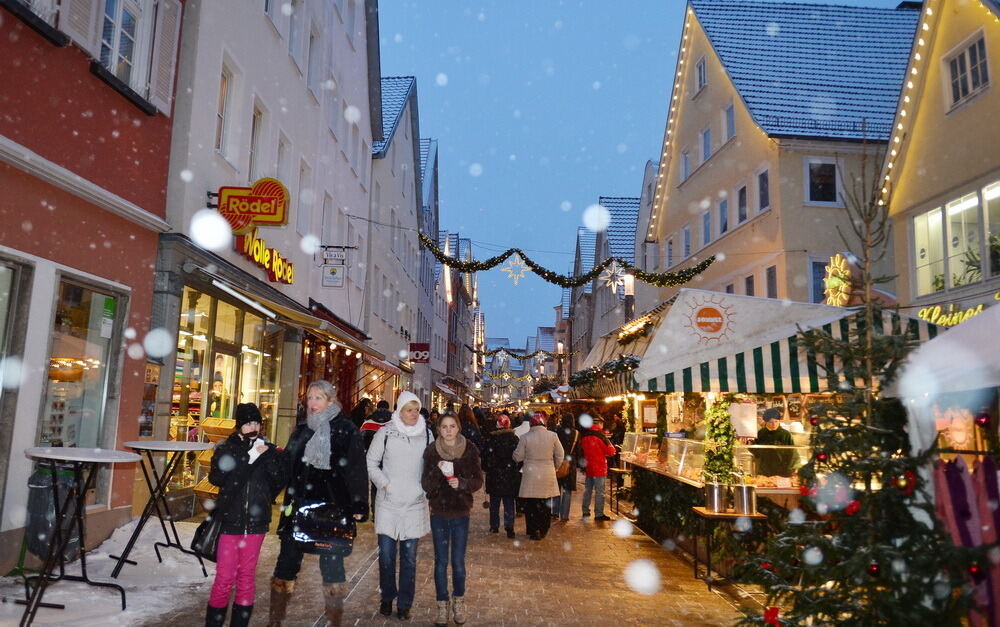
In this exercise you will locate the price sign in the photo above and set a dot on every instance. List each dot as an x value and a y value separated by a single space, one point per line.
420 352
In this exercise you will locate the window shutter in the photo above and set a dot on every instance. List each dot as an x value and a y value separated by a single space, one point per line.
80 19
166 38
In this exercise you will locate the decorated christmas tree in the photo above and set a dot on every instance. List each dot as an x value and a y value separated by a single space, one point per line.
864 546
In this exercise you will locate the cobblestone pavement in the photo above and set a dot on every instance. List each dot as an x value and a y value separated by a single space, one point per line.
575 576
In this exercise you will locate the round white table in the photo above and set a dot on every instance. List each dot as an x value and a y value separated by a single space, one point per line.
84 462
157 484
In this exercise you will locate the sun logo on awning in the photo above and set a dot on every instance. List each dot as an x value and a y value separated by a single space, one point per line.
709 319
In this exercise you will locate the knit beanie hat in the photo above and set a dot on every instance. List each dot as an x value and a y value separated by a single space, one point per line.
538 418
503 422
247 412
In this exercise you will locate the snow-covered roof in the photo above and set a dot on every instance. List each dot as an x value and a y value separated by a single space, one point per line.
395 92
621 230
813 70
586 244
545 340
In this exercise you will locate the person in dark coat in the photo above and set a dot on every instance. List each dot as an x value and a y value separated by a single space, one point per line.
360 412
250 473
503 477
470 427
773 462
328 468
376 421
569 437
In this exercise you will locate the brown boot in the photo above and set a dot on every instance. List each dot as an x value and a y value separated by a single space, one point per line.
334 596
281 591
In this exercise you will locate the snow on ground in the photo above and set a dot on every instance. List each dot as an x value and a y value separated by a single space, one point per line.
151 588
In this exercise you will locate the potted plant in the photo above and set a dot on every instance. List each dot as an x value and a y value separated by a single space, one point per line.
720 438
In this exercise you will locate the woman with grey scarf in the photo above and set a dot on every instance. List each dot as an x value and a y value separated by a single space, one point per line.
327 468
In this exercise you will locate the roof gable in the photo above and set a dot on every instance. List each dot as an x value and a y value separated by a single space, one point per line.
620 233
586 247
812 70
395 93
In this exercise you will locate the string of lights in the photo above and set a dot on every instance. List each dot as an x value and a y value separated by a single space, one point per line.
515 355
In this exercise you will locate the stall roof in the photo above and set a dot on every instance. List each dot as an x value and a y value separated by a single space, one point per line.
715 342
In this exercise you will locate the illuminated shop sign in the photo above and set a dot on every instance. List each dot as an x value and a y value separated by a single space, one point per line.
950 315
279 269
265 203
837 282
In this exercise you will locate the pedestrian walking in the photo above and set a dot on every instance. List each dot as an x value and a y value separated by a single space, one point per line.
541 453
596 449
361 411
470 426
328 476
250 473
502 474
569 437
395 466
378 419
452 473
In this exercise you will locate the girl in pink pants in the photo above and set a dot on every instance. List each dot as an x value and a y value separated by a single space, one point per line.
250 472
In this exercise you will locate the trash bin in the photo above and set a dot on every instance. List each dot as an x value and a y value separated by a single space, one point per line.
42 513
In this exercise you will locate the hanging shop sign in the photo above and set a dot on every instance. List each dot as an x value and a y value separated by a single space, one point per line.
950 315
265 203
279 269
333 275
420 352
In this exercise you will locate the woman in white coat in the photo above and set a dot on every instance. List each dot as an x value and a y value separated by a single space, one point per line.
541 452
395 465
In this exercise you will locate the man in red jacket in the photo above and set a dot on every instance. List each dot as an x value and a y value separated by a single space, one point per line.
596 451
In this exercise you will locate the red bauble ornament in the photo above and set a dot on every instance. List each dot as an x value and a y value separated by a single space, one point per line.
814 421
983 419
975 571
766 565
821 457
852 508
874 569
771 616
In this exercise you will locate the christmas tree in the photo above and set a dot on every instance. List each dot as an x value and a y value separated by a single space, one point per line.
864 546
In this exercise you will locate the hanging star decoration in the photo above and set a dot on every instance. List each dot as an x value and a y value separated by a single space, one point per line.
613 276
515 268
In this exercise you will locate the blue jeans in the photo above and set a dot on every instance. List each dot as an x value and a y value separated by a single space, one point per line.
407 570
593 484
453 533
508 511
564 501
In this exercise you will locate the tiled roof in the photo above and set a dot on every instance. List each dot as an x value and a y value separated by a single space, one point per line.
811 69
586 243
546 341
425 147
395 91
621 230
993 5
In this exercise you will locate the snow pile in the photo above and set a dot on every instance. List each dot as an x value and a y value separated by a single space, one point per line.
152 589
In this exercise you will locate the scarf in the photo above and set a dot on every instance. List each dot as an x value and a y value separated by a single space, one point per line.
317 453
417 428
450 453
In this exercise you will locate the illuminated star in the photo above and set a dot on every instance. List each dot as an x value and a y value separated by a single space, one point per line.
515 268
613 276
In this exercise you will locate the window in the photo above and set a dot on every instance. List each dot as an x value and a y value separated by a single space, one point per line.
928 235
817 286
723 215
256 123
730 122
748 285
281 163
706 228
119 30
763 192
771 281
45 9
701 75
822 181
686 237
294 29
730 289
741 204
670 253
706 144
968 71
685 165
991 198
351 21
964 261
312 63
303 218
331 218
222 112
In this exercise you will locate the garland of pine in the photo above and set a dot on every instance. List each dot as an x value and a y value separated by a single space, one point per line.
659 279
496 351
505 376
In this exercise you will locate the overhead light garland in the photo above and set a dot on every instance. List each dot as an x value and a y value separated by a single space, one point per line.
625 363
515 355
659 279
506 376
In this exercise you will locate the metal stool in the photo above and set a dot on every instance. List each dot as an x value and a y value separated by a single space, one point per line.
615 476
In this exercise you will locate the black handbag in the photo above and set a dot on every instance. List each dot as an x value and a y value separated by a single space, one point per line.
321 527
206 538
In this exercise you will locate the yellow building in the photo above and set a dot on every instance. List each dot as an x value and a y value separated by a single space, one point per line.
942 174
776 109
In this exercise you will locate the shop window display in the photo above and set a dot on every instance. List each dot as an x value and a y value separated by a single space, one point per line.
79 365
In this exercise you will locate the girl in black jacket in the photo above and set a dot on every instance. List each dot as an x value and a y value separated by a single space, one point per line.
250 472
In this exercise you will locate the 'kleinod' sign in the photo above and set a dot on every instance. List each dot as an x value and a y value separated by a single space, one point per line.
265 203
950 315
279 269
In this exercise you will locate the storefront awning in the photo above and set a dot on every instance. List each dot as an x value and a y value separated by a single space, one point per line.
444 389
381 364
714 342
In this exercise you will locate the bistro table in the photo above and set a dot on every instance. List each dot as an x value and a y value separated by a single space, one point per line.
157 484
84 462
708 520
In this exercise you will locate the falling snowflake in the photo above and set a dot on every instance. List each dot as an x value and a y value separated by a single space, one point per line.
643 577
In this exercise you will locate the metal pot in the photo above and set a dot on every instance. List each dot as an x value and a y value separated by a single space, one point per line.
716 497
745 499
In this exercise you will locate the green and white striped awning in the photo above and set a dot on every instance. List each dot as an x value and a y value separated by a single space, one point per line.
776 366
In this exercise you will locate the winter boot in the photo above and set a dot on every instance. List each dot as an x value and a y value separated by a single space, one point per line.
458 610
215 616
334 594
510 531
241 615
442 615
281 591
